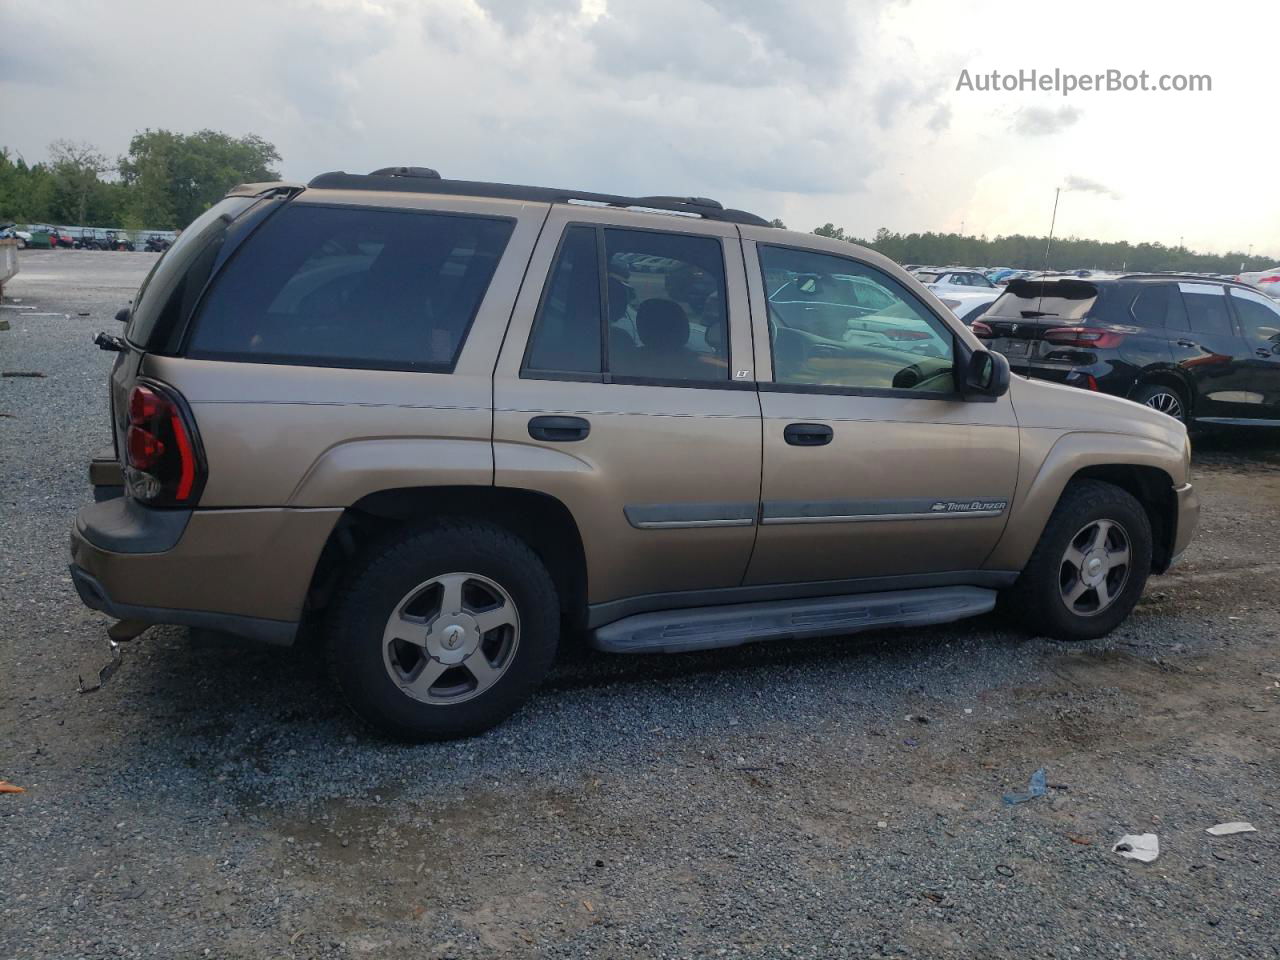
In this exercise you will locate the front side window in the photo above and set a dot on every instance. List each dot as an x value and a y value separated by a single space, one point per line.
890 341
664 313
353 287
1259 319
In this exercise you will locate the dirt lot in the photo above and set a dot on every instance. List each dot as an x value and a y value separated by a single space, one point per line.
784 800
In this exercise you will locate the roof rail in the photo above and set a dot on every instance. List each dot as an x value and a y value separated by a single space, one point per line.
424 182
1189 277
424 172
266 187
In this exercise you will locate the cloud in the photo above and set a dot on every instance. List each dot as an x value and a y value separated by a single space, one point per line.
1084 185
1043 121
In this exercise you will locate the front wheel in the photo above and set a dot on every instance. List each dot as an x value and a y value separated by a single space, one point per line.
1090 567
444 631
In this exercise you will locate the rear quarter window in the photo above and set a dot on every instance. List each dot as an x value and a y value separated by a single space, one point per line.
350 286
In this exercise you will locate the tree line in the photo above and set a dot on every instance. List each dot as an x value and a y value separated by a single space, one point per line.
163 182
1028 252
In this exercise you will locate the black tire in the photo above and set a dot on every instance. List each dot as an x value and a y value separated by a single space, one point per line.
1158 396
390 571
1037 596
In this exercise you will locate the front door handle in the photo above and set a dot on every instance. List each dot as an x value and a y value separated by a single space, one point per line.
559 429
1266 354
1187 343
807 434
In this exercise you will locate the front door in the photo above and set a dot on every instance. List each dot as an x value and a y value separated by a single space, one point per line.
873 466
1212 355
625 389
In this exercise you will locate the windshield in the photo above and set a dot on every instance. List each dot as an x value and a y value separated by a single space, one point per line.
164 289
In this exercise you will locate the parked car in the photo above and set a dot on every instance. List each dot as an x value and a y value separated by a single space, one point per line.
10 230
969 305
157 244
945 281
1204 351
1268 281
441 425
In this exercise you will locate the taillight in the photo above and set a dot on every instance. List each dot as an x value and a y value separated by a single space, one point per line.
907 335
163 466
982 330
1269 279
1090 337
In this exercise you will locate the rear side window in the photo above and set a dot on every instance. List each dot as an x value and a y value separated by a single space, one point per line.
1206 308
633 305
349 286
1156 306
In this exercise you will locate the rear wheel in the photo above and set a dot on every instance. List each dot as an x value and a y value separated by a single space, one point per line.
1089 569
1167 400
444 631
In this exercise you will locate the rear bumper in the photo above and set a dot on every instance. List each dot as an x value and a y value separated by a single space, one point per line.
242 571
1188 518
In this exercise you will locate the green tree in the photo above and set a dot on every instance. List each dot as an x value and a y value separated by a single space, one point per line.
777 222
175 177
832 231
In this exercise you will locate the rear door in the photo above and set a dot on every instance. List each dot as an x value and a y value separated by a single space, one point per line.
625 389
1212 355
1258 317
873 465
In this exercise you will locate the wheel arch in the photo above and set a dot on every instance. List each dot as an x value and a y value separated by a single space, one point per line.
1142 466
539 519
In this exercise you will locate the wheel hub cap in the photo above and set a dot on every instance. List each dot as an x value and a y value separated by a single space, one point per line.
454 639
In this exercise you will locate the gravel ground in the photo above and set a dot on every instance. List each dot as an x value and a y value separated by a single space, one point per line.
836 798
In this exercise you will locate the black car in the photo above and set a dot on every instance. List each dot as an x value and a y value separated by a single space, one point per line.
1204 350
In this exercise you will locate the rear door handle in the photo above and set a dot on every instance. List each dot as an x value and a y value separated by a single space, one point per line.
559 429
1187 343
807 434
1263 352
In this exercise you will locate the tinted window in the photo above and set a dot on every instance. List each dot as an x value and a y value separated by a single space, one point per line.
566 333
1259 318
1046 300
1206 308
819 338
666 306
1150 305
352 287
168 287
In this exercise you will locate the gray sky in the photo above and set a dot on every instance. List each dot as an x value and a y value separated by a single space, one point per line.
812 111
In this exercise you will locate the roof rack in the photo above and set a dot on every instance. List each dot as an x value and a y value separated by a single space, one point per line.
426 180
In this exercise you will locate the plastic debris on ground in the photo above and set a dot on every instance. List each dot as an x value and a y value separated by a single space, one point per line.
1036 788
1138 846
1235 826
7 787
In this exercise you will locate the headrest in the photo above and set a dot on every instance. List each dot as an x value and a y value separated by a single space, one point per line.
662 324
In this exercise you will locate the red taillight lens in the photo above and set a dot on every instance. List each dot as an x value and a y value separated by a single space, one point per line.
982 331
162 463
1090 337
1269 280
908 335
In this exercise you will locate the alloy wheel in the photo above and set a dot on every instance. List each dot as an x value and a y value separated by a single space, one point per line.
1095 568
1166 402
451 638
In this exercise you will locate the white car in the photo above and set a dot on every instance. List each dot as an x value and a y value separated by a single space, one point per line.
947 281
1268 281
22 236
969 305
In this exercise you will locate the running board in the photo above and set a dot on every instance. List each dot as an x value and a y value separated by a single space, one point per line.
704 628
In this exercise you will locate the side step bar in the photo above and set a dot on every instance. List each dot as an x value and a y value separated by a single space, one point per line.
704 628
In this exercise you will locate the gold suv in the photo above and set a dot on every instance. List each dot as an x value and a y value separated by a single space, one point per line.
442 424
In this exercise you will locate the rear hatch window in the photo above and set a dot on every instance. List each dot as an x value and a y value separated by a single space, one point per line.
170 289
354 287
1021 315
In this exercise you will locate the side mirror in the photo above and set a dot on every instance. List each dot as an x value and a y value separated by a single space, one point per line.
122 315
986 375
